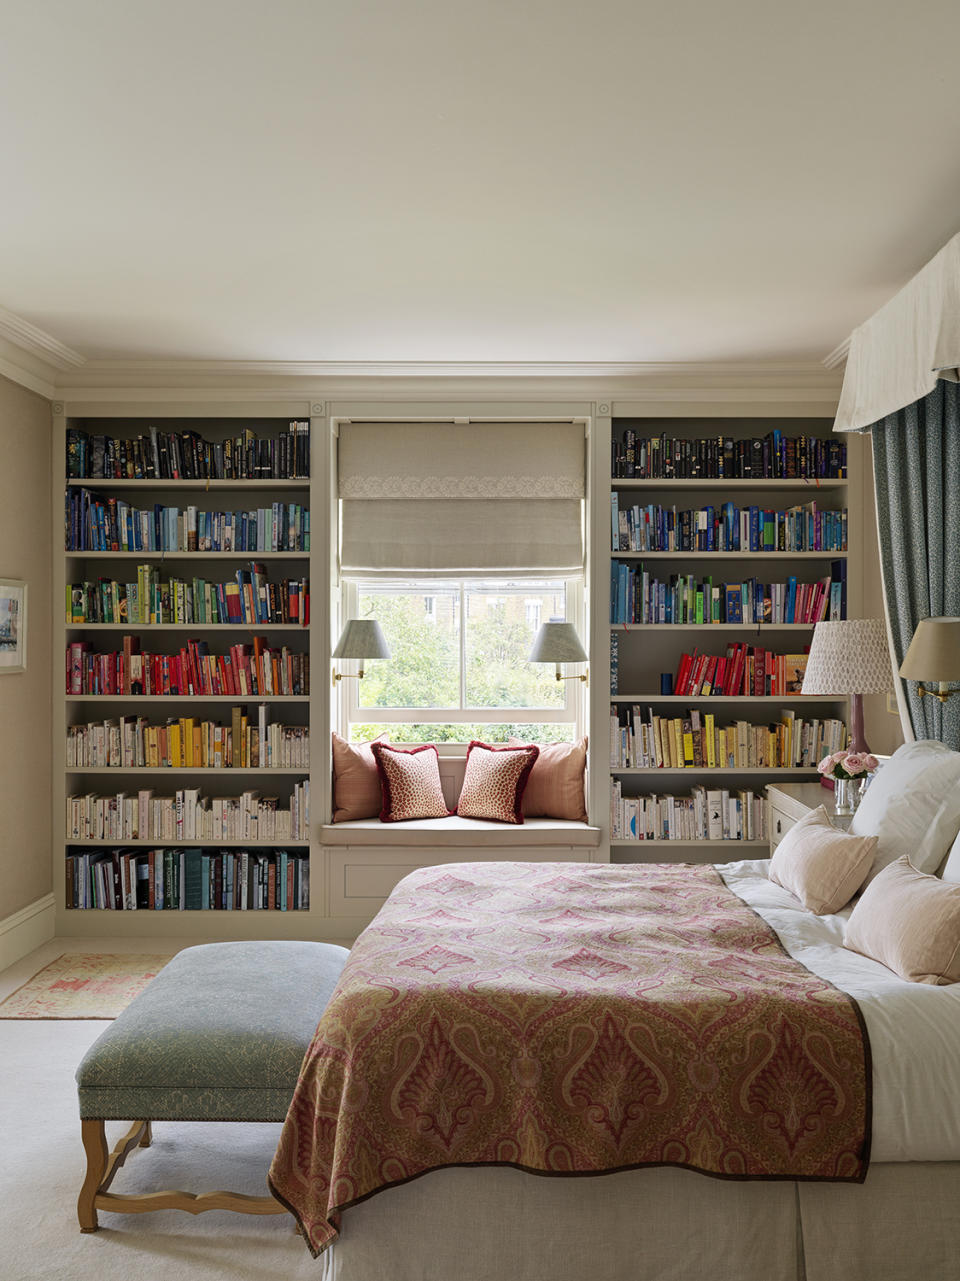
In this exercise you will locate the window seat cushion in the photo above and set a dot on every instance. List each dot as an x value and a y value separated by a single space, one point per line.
456 831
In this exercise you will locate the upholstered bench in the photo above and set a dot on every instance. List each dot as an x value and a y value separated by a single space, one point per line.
218 1035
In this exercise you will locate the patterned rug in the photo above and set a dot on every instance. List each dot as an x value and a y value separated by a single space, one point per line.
83 986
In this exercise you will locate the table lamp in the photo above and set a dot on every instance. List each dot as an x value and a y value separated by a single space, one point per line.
850 657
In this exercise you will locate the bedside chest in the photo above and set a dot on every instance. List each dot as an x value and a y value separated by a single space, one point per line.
788 802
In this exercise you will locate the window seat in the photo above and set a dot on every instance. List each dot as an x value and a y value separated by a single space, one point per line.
428 833
363 860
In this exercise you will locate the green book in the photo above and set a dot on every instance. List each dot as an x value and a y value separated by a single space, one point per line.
192 880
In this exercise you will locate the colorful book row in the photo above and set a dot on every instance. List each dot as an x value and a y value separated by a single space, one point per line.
250 599
188 880
186 455
636 596
714 814
247 670
770 457
747 670
97 524
652 528
188 816
185 743
641 739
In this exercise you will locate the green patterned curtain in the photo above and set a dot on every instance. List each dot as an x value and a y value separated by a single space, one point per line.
916 468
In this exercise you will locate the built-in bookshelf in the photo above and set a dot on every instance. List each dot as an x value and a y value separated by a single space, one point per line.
728 539
185 728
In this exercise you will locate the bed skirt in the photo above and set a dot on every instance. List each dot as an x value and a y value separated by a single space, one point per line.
653 1225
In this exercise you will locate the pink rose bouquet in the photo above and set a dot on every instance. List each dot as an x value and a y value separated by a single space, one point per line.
848 764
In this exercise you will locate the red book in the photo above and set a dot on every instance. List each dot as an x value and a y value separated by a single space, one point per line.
683 672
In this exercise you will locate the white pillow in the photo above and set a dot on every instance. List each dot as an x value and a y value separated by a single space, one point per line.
951 868
912 806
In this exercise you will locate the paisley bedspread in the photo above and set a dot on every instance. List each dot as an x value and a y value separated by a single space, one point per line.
571 1019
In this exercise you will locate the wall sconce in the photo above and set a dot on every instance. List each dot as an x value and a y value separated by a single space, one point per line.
934 655
361 638
559 643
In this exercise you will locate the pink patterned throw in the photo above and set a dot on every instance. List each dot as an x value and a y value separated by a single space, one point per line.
571 1018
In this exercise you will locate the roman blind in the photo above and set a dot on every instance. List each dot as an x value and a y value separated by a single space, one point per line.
441 498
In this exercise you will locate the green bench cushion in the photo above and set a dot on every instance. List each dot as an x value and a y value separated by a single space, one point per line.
218 1035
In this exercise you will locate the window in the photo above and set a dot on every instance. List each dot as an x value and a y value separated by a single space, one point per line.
459 667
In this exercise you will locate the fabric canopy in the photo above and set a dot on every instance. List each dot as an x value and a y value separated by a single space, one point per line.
898 354
442 498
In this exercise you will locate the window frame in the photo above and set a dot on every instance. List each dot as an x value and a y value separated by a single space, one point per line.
573 711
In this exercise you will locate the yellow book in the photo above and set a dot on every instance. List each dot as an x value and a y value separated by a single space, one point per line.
677 726
186 740
708 733
173 743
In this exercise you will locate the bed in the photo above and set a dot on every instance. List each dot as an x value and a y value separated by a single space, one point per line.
851 1170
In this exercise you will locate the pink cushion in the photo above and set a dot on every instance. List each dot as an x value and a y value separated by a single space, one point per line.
356 782
555 787
909 921
494 780
409 783
821 865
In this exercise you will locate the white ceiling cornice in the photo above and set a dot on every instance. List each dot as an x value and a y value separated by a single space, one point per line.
37 342
697 382
838 356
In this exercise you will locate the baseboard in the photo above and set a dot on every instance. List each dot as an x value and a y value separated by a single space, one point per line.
24 930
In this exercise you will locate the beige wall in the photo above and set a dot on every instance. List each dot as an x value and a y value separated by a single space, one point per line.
882 728
25 697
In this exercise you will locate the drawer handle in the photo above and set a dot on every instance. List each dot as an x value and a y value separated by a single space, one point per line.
779 826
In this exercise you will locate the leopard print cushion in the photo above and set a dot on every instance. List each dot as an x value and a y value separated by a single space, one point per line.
494 781
409 782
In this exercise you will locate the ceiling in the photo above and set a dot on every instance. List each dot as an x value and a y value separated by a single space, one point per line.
510 180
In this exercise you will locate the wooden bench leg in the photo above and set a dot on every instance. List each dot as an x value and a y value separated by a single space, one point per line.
95 1145
147 1137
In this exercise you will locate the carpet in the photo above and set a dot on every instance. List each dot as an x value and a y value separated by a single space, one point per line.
83 986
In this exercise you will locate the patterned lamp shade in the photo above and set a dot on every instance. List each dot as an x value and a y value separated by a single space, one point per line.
849 657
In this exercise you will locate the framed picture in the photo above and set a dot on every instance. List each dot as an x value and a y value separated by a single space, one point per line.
13 625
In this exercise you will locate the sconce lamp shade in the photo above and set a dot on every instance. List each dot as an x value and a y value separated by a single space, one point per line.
849 657
934 653
557 643
362 638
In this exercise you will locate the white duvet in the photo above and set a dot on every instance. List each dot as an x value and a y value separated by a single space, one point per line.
914 1028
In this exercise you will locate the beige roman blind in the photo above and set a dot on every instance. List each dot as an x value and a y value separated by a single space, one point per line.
442 498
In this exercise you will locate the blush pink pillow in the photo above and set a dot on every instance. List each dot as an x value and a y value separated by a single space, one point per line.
494 780
822 866
555 788
356 782
909 921
409 783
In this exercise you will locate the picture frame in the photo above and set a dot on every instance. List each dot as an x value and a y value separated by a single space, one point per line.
13 625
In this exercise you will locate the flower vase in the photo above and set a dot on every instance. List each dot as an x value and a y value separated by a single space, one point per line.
844 795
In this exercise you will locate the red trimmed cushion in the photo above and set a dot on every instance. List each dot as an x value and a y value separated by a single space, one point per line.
356 781
494 781
409 783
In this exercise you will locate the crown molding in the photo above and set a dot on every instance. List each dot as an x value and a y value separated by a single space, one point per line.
775 382
27 370
838 356
37 342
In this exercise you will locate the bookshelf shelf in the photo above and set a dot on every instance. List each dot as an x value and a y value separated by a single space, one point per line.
95 482
160 842
733 484
721 555
162 556
711 627
620 843
696 773
187 627
710 700
137 699
276 437
235 771
647 653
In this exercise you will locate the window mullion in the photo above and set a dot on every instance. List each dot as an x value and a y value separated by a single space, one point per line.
463 646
